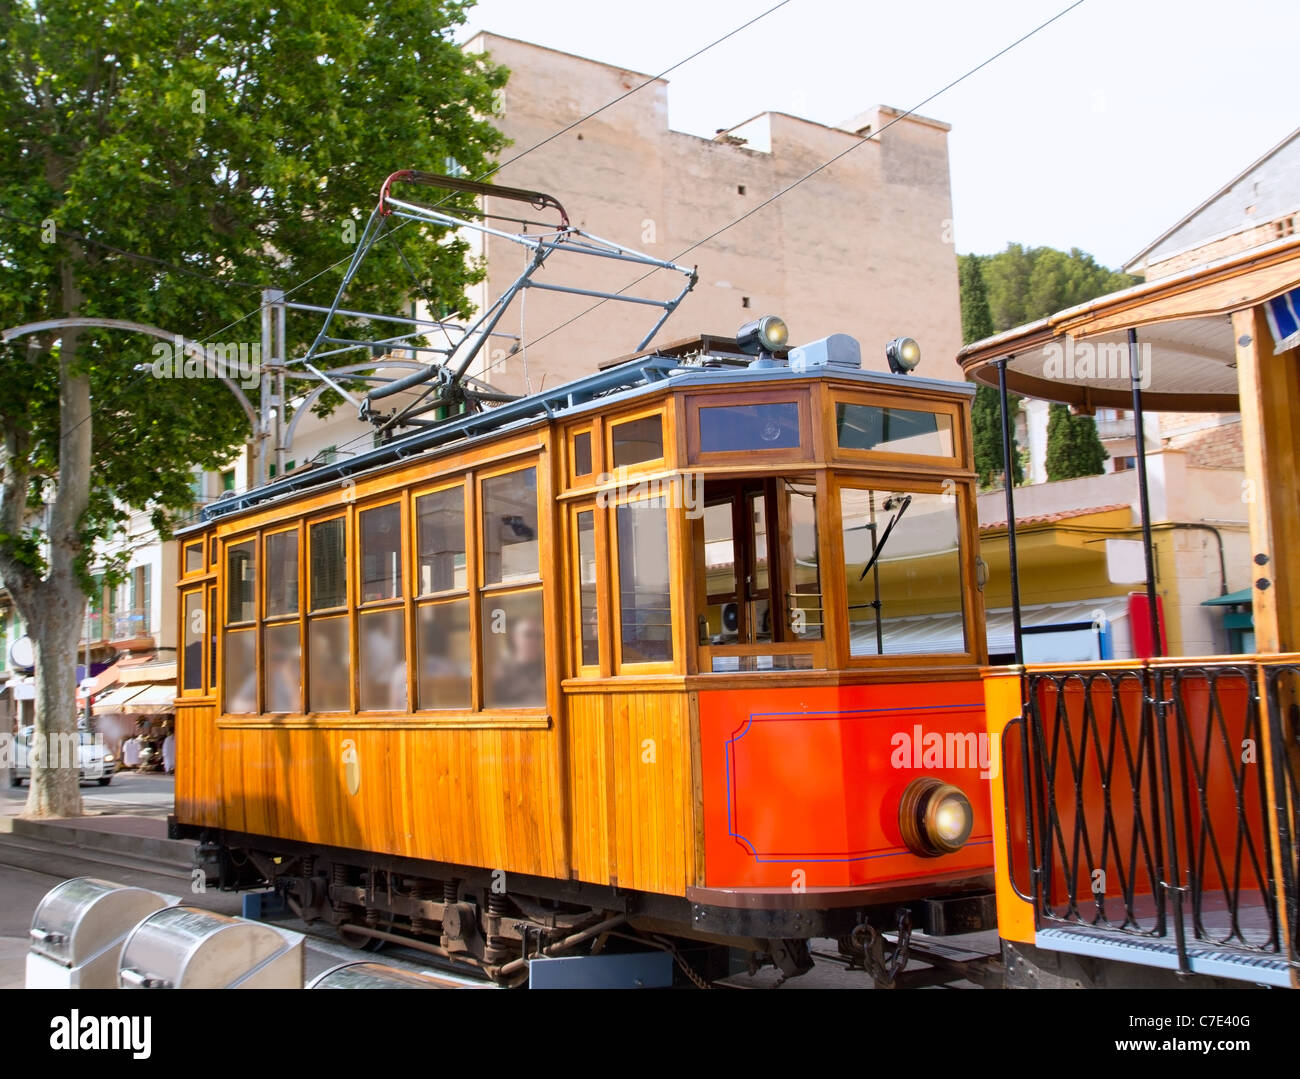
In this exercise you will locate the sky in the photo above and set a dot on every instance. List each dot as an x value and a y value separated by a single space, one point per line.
1099 132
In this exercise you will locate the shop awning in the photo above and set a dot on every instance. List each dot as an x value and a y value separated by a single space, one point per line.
150 699
1232 599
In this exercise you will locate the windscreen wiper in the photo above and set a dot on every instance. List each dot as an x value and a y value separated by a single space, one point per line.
898 504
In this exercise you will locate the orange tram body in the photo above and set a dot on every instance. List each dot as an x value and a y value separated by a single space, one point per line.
687 650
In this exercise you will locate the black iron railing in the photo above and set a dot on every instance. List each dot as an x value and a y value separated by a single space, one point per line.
1161 803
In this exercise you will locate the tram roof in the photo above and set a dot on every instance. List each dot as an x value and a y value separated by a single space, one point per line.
1183 327
641 375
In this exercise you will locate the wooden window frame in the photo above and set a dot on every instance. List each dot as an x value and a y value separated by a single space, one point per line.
268 621
347 611
469 533
878 399
799 396
615 620
484 591
608 470
199 589
187 546
833 560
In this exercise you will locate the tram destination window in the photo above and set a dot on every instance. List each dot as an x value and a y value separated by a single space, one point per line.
328 581
194 557
884 429
381 553
510 527
638 440
746 428
902 567
645 595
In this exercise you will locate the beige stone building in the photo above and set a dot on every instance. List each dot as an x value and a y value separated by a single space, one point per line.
864 247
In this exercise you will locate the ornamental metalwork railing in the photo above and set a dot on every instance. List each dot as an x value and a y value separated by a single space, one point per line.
1162 801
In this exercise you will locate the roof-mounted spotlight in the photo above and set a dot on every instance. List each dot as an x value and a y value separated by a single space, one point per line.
903 354
763 336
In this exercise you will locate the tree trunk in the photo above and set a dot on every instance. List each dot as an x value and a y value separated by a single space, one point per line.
53 606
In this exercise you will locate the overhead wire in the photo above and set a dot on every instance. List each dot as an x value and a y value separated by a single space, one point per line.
820 168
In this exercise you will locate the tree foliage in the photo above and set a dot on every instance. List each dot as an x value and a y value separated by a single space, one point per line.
1025 284
1073 448
986 413
161 163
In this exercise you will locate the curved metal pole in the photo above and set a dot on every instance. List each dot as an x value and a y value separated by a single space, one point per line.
192 348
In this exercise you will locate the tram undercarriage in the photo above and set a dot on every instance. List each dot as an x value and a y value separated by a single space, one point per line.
495 923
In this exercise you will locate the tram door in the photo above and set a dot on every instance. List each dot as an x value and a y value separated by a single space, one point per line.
741 578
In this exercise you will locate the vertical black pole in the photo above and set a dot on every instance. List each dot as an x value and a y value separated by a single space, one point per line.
1008 482
1155 681
1144 496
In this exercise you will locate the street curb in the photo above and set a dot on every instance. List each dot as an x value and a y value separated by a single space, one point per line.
63 849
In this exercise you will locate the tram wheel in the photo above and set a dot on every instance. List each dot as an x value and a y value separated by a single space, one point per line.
360 941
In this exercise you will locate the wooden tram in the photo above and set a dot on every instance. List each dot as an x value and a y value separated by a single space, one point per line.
687 649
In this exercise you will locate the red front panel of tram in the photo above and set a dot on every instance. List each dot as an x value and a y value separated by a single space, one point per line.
802 785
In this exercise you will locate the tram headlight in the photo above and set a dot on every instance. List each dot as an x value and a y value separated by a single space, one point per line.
903 354
935 817
766 334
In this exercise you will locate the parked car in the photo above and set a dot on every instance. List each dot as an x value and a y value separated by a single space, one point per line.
94 762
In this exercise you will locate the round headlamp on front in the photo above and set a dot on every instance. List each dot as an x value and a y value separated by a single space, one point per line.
903 354
935 817
766 334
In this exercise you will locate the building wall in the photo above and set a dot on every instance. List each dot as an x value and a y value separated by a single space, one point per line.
862 248
1258 207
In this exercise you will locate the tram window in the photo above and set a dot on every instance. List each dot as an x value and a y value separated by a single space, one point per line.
241 671
192 656
328 583
902 565
442 637
282 573
582 453
645 594
801 564
381 553
329 678
514 650
211 630
761 577
382 658
638 440
194 557
510 527
720 575
241 575
283 668
744 428
440 542
590 628
893 430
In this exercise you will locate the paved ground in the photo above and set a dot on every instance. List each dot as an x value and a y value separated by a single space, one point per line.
150 794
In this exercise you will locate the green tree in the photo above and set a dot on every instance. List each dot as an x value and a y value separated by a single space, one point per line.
986 413
161 163
1073 448
1026 284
